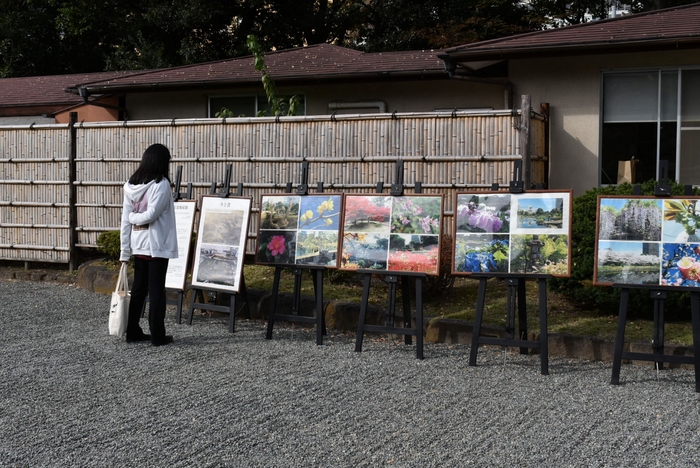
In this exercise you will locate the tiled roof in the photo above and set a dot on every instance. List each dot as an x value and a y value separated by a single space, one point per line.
46 90
317 62
668 28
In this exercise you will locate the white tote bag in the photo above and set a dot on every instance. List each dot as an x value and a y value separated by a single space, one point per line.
119 308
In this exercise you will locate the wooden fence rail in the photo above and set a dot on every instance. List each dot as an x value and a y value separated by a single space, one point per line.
446 152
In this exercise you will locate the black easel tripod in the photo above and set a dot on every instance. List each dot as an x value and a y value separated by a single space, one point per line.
298 270
658 295
515 300
198 292
392 280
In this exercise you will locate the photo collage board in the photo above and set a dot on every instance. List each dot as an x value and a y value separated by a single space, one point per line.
299 230
392 233
221 239
648 241
504 233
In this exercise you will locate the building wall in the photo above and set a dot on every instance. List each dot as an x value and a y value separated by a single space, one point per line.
88 113
571 85
423 96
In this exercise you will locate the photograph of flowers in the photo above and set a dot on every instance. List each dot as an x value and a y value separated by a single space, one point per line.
387 233
647 240
504 233
221 238
299 230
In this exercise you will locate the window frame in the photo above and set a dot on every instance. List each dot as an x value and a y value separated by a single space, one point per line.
679 128
256 98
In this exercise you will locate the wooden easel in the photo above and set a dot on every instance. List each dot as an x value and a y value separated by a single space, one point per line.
198 292
658 295
657 356
515 300
392 280
298 270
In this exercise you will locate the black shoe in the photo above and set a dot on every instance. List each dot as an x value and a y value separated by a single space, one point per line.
134 337
162 341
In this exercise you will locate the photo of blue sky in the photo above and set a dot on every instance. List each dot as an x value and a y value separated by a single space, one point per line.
547 204
621 247
619 203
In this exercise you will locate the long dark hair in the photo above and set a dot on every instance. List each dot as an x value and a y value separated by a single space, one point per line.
154 165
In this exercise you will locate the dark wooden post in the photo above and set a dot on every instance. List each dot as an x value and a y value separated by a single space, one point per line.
525 139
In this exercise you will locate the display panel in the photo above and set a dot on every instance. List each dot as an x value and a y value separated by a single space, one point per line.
647 241
388 233
221 238
518 234
176 275
299 229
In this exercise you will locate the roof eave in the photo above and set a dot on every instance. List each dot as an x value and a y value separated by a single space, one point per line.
559 50
228 82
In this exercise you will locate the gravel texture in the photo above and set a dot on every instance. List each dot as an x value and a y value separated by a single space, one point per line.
73 396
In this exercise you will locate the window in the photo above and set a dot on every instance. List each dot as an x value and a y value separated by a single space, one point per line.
644 119
249 106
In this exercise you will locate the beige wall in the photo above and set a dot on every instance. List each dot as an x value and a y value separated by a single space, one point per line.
571 85
423 96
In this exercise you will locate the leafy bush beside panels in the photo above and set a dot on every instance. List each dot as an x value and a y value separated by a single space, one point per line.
606 300
109 243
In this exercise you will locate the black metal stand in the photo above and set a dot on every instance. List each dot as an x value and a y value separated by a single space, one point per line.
408 330
515 299
318 319
657 356
231 309
298 270
396 190
199 292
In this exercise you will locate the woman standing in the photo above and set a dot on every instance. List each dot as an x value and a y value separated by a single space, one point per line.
148 233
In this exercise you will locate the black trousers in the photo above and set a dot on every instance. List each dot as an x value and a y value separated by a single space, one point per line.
149 281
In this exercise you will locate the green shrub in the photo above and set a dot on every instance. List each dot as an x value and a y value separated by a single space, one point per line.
606 299
110 243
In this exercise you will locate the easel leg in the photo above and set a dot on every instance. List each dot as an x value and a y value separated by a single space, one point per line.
544 339
476 331
511 301
658 343
244 296
406 298
363 313
273 303
193 296
419 318
318 289
180 297
620 338
695 315
522 314
232 314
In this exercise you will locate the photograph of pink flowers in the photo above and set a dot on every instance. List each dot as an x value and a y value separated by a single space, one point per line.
647 240
299 230
387 233
504 233
221 238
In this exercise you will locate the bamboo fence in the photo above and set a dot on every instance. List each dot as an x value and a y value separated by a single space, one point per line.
445 152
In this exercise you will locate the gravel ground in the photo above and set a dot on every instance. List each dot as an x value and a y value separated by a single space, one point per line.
73 396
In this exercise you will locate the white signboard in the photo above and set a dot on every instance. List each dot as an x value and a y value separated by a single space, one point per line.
177 267
221 239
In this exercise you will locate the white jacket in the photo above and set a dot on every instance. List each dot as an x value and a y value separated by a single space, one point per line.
151 207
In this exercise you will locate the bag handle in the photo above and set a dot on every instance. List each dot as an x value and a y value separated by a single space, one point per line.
123 280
